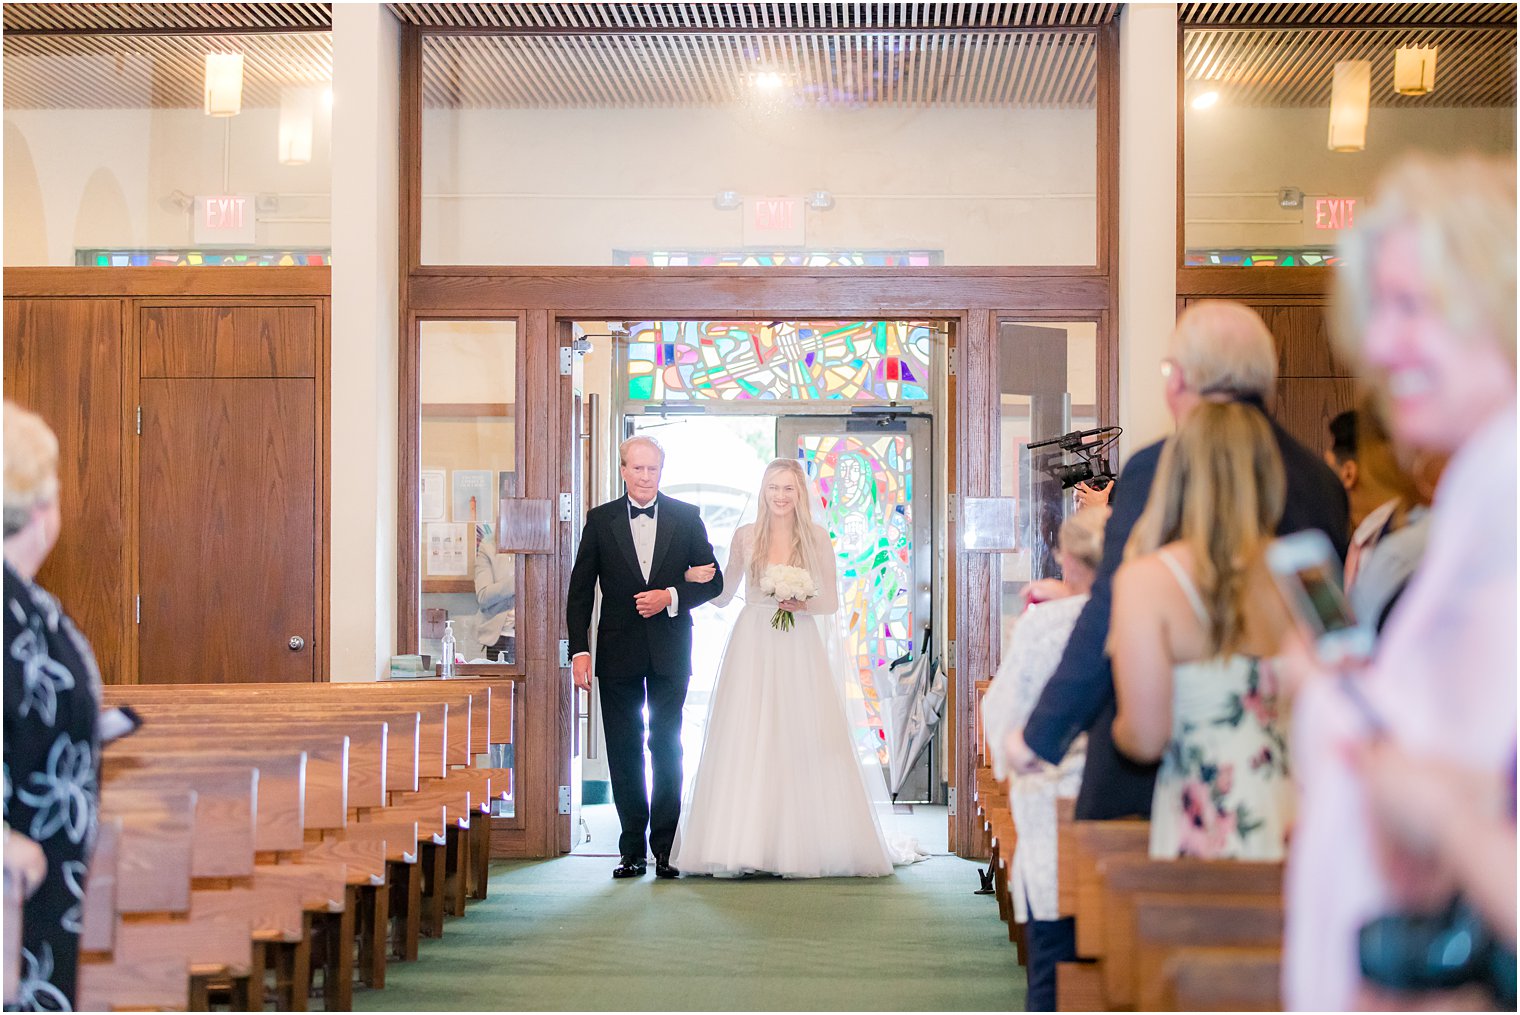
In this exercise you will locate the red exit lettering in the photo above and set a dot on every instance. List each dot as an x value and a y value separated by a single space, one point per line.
1334 212
226 212
774 213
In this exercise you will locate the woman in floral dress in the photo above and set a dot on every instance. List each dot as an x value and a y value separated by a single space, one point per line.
1195 619
52 755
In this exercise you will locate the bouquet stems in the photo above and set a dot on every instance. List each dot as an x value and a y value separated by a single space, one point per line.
782 620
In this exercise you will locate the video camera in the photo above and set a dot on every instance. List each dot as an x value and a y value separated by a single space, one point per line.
1091 467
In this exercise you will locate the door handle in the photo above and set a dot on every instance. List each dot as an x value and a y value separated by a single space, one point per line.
297 643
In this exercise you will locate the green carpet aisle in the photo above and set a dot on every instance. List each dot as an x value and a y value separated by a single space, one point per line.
561 935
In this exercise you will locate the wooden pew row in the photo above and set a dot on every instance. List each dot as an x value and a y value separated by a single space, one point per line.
341 781
1159 933
489 723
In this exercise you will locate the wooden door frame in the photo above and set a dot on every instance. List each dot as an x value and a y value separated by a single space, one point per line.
550 296
207 286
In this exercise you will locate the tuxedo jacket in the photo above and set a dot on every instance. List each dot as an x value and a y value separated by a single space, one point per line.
1080 694
629 645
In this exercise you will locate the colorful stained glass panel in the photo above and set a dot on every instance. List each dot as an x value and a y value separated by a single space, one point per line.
865 482
778 360
1264 257
176 258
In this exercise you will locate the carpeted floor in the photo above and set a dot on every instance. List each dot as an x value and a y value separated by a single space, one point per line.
562 935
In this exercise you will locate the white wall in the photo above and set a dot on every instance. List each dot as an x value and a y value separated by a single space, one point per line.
365 309
986 186
107 179
1237 159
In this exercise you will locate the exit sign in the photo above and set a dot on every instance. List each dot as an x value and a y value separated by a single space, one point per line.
774 221
1335 212
223 218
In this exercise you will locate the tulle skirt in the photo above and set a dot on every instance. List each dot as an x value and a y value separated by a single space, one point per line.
778 789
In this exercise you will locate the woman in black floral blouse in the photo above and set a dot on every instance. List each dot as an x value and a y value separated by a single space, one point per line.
52 753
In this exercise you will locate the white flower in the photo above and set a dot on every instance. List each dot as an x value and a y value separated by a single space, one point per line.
787 582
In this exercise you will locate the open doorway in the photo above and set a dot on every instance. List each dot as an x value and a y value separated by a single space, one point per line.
853 402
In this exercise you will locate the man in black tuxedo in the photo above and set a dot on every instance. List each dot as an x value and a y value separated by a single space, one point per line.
1220 351
638 548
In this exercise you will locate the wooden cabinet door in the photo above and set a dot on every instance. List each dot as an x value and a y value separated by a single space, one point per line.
228 517
63 361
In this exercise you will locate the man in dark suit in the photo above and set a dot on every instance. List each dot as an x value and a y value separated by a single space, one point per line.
1220 351
638 549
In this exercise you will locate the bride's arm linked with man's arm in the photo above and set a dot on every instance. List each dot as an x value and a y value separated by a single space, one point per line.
733 569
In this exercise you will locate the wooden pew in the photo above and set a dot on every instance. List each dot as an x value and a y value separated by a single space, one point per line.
368 800
1169 927
1128 881
1222 979
153 877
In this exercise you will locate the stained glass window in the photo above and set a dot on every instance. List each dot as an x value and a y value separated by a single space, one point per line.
780 258
866 484
173 258
1264 257
757 360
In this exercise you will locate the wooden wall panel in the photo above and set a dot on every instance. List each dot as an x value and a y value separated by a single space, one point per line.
1304 348
1306 405
63 360
230 341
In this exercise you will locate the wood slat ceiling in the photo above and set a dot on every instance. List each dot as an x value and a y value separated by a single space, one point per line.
751 16
129 17
155 71
1048 70
1355 15
1294 67
696 54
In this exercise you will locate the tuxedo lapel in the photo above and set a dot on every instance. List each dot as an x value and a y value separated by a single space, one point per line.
622 534
664 532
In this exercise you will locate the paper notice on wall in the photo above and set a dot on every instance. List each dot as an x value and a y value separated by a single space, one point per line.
448 546
474 495
432 495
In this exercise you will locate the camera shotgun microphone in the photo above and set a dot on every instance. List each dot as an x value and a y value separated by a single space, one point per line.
1072 439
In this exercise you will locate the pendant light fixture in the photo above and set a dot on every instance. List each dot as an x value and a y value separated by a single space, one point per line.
1350 96
1414 70
298 113
224 84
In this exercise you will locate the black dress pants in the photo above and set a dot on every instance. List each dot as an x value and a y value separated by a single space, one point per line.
644 810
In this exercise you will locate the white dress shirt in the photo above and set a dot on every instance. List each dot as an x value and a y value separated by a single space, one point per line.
644 527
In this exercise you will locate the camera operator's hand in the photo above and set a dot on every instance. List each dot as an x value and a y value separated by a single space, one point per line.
1087 496
1021 757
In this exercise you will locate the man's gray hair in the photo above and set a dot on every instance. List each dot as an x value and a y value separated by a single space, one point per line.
641 439
1224 348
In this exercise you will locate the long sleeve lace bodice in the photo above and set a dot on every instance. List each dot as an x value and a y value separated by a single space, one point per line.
736 572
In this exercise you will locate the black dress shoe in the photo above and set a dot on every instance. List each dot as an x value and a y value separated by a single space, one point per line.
663 869
630 867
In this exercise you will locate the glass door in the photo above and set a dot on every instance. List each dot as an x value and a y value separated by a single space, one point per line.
872 475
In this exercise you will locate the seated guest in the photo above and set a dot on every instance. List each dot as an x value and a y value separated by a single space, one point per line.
52 749
1195 617
1426 296
1388 546
1030 658
1364 488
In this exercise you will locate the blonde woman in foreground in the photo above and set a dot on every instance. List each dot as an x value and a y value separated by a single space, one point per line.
1195 621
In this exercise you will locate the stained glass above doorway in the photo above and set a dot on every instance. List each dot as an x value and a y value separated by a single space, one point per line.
698 361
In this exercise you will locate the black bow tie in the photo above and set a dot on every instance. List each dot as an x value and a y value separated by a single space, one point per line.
634 511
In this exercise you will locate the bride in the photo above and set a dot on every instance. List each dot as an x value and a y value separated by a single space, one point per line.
780 788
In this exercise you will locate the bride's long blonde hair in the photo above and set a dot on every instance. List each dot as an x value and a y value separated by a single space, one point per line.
802 521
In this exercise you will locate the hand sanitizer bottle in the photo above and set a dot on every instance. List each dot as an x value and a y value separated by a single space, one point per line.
448 649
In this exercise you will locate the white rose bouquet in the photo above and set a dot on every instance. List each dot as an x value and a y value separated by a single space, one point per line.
787 582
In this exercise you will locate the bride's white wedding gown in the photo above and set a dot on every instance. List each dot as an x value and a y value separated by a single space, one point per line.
779 788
